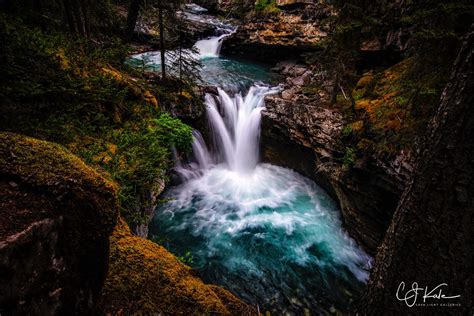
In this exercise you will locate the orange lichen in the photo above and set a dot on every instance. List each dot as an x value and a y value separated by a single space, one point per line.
105 156
380 98
145 278
150 99
132 85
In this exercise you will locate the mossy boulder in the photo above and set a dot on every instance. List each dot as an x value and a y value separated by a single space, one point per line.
145 279
56 216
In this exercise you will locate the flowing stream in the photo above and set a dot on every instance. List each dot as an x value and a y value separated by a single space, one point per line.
266 233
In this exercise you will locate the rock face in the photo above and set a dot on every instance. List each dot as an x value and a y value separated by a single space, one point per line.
145 279
436 213
56 215
282 33
302 131
391 34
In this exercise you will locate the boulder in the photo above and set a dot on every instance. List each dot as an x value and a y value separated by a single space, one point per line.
56 215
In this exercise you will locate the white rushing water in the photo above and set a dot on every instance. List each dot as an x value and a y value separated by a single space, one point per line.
210 47
234 123
207 47
265 232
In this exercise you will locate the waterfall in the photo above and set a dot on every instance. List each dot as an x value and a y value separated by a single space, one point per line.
262 231
234 126
211 46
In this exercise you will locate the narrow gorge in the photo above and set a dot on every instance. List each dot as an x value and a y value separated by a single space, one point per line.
276 157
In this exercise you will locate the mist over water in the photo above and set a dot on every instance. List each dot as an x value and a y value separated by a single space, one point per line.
266 233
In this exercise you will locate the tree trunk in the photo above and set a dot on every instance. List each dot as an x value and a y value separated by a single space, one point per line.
132 17
76 10
85 14
69 16
162 41
431 237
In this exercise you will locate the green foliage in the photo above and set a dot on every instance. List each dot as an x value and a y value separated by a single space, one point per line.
266 6
143 156
48 66
347 130
186 258
172 132
437 29
55 88
349 157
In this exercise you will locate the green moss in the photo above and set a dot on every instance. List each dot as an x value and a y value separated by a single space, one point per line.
51 168
266 6
349 157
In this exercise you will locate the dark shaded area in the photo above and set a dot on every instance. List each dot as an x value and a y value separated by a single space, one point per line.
57 215
431 235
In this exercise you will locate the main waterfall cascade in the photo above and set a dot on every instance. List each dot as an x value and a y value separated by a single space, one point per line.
268 234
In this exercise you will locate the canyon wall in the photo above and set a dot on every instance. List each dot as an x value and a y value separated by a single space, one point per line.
302 131
430 238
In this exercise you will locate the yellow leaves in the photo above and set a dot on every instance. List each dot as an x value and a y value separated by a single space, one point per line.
150 98
63 61
186 94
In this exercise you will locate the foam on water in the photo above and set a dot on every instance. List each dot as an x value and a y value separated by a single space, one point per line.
271 236
262 231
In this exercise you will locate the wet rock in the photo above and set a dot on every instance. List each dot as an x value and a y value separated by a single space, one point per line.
302 80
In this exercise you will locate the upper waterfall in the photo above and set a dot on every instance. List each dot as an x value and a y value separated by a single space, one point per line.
210 47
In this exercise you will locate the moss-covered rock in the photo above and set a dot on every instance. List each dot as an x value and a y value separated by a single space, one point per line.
144 278
56 215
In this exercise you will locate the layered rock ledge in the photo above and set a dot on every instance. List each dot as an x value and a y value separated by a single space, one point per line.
285 32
